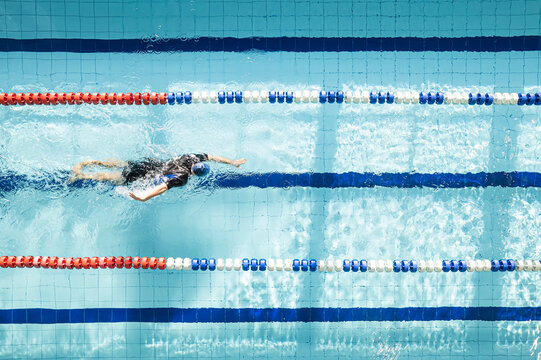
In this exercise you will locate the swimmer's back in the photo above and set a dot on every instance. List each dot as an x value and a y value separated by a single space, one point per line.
176 170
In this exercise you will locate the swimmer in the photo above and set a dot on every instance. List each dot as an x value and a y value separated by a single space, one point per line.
171 173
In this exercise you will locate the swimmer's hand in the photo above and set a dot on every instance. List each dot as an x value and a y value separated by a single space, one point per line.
224 160
239 162
158 190
135 197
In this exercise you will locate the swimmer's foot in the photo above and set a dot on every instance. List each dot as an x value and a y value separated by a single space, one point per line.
73 178
79 176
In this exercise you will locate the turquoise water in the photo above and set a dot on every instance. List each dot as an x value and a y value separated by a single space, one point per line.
371 223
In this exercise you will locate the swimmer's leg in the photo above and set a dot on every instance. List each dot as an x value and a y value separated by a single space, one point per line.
108 176
115 177
110 163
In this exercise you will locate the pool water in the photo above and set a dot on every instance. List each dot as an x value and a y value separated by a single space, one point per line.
44 142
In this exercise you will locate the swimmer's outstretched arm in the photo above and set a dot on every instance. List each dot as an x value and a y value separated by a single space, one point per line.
221 159
158 190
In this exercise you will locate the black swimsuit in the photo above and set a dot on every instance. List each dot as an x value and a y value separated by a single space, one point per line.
175 171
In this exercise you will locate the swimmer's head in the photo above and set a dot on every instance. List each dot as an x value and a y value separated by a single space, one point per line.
200 169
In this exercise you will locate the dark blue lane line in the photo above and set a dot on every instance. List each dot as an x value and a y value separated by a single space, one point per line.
368 180
271 44
57 181
252 315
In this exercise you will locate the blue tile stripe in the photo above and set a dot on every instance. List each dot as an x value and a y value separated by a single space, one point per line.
271 44
245 315
367 180
11 181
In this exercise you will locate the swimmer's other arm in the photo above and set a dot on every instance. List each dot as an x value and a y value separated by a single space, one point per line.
221 159
158 190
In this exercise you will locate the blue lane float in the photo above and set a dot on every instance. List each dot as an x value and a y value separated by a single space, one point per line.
349 96
281 97
203 264
230 97
354 265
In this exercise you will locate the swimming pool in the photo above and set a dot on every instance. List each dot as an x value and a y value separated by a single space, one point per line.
170 46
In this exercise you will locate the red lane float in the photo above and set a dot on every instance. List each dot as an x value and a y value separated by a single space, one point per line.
53 98
95 98
78 98
19 261
163 98
36 98
29 261
3 261
144 262
154 98
102 262
129 99
119 262
45 98
20 99
12 261
12 99
37 262
70 98
146 98
3 98
87 98
29 98
111 262
45 262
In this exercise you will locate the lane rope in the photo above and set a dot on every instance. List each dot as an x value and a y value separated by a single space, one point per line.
253 264
273 97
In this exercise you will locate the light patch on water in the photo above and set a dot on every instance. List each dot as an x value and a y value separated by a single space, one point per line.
534 352
62 145
383 223
405 138
528 140
524 229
